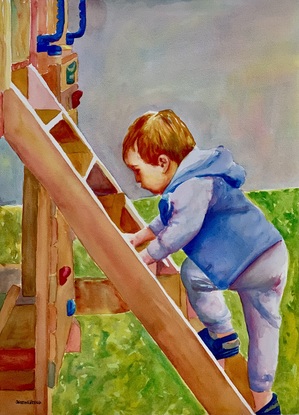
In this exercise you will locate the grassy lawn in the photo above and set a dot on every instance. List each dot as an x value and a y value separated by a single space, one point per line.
121 371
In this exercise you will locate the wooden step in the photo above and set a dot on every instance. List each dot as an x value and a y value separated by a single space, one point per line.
66 135
17 380
17 359
99 182
47 115
18 402
115 206
17 349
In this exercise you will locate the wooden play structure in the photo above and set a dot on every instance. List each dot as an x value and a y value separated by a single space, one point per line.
69 193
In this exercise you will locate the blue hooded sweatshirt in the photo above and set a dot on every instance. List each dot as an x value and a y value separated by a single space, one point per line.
234 232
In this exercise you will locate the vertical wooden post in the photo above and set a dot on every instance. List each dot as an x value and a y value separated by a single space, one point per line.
43 239
5 44
5 54
29 233
33 33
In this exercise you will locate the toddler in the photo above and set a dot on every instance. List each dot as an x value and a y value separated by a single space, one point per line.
228 241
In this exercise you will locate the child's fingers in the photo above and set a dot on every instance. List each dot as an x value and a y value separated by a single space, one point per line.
130 237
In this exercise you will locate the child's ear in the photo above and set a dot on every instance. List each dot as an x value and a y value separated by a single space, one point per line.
164 162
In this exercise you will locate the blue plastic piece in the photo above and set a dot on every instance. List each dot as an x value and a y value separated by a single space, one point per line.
71 36
43 41
70 308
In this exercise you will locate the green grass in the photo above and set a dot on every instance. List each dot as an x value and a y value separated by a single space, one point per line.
2 299
281 207
121 371
10 234
84 266
11 239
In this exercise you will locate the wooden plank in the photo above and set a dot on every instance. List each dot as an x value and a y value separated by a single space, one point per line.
11 402
29 233
17 359
65 292
17 380
51 76
119 261
5 44
172 285
8 305
19 331
47 115
81 161
43 241
115 205
236 369
20 78
99 182
20 30
127 222
98 296
73 146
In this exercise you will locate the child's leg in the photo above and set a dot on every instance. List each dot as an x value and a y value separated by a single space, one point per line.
206 300
260 288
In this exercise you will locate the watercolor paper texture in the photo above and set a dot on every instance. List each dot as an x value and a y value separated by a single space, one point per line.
85 326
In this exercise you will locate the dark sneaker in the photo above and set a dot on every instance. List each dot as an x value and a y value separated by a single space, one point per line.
221 347
272 407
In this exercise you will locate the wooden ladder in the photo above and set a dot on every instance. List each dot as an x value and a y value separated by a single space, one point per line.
52 147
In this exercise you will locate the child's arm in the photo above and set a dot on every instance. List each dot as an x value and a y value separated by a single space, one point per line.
146 258
140 237
190 204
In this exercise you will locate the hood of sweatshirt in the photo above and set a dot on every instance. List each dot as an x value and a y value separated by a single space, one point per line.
216 162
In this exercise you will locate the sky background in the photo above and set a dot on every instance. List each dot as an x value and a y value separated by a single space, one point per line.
228 68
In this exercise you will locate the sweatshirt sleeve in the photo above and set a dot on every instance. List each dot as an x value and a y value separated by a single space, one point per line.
190 201
156 225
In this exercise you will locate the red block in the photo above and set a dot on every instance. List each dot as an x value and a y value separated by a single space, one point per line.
17 359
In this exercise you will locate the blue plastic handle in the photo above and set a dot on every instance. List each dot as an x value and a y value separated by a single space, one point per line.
43 41
71 36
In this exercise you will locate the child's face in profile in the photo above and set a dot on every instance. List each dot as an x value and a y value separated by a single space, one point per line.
152 178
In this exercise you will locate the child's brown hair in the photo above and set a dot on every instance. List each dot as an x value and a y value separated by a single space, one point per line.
157 133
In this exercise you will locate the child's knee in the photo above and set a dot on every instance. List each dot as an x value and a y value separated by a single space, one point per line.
193 278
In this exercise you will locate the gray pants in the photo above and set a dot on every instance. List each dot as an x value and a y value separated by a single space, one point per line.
260 288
